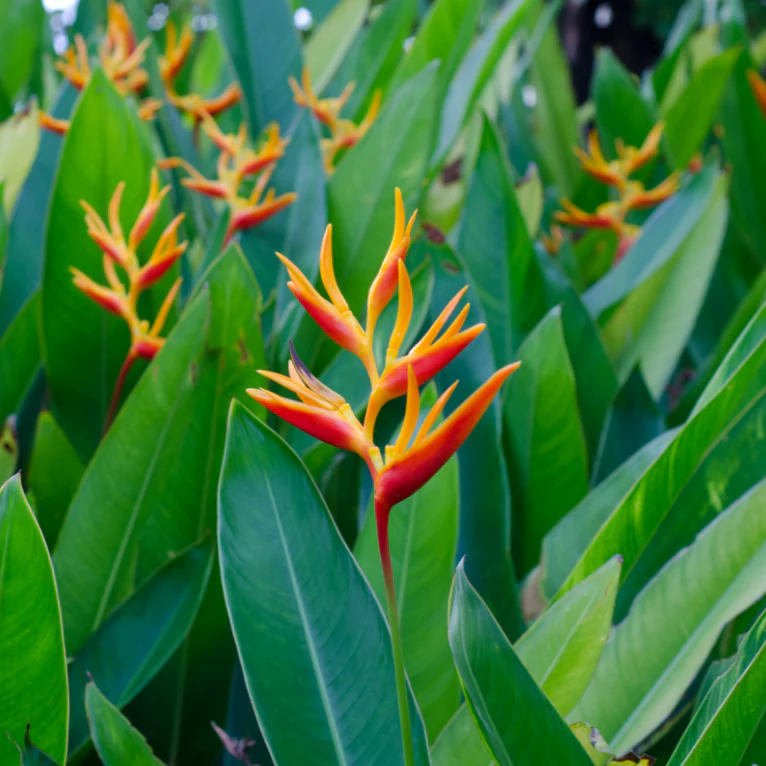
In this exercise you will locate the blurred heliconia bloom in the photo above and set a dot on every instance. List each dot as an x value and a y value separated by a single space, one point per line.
758 86
121 252
237 163
121 59
344 133
631 194
172 62
413 458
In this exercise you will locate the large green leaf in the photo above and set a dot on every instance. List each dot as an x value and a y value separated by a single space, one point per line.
116 741
54 473
460 743
263 44
653 324
485 501
23 24
393 153
33 683
498 251
19 357
692 598
83 345
423 538
549 462
516 719
30 754
475 72
567 541
96 552
139 636
311 637
731 711
688 121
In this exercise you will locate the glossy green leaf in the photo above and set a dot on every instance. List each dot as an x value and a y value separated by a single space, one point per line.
138 637
549 462
393 153
83 345
689 120
95 555
693 597
567 541
514 715
331 40
423 534
652 325
316 659
498 251
485 501
734 707
116 741
460 743
22 23
54 474
33 683
373 56
19 357
30 754
475 72
19 141
622 113
263 45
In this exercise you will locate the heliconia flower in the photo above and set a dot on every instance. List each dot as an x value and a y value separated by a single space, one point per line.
53 124
605 217
176 50
146 344
638 198
108 299
594 163
148 108
344 133
758 87
552 242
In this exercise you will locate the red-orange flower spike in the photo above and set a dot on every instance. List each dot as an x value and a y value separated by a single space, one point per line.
758 86
120 297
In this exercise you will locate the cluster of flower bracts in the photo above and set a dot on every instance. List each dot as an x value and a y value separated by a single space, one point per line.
631 194
121 253
121 59
343 133
410 462
238 165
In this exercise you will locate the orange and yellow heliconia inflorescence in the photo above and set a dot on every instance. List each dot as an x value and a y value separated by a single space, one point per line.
344 133
415 456
631 194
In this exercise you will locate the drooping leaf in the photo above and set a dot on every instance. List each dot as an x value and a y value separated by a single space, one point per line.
116 741
423 534
33 683
329 674
732 710
516 719
138 637
19 141
693 597
549 462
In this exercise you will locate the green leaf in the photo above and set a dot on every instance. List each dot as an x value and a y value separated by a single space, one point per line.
329 43
548 457
138 637
423 534
9 451
373 56
567 541
731 711
393 153
460 743
19 358
621 111
485 501
54 474
316 659
498 251
515 717
33 677
693 597
263 45
653 324
117 742
30 754
83 345
96 551
19 141
475 72
22 23
688 121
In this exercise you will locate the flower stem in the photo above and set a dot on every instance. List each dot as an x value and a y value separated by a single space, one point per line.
381 516
118 386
